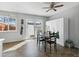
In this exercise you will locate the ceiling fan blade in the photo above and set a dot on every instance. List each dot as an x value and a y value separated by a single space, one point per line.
54 9
48 10
58 6
45 7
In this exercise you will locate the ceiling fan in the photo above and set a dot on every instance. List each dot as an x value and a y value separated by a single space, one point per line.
53 6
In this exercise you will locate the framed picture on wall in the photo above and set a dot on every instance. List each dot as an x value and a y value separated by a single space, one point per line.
7 24
12 24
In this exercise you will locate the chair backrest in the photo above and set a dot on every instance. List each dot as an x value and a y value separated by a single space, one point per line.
56 35
47 34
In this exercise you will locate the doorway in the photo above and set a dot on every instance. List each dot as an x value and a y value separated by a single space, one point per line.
33 28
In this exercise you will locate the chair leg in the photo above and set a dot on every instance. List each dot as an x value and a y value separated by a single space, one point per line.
50 47
55 47
37 40
42 42
39 43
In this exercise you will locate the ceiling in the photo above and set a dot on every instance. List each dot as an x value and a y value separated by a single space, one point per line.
35 8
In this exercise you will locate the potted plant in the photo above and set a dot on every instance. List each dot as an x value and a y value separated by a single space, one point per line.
69 43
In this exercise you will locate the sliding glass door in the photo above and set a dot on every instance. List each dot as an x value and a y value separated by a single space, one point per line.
57 25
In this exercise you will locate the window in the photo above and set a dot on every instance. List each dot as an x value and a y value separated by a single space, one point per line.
7 24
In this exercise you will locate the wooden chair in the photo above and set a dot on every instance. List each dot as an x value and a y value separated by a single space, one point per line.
52 40
40 38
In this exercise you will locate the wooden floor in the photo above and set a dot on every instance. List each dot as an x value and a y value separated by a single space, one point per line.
31 49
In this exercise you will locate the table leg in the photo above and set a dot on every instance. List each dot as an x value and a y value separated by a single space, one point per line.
45 46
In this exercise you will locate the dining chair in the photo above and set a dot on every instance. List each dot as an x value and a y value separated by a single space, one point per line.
40 38
53 37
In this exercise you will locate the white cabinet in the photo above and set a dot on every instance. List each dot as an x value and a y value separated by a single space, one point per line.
60 25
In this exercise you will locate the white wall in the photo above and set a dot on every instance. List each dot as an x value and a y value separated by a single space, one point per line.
15 36
73 16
